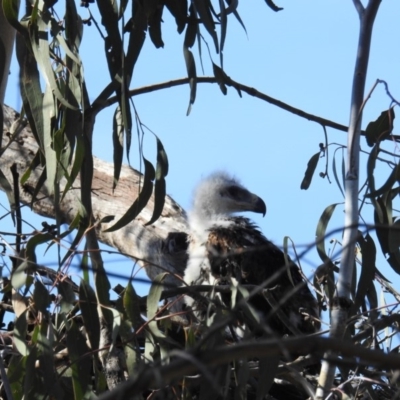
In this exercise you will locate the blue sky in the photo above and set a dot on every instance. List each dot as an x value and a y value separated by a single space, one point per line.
304 56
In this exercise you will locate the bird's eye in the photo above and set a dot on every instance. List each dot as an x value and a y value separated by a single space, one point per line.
233 191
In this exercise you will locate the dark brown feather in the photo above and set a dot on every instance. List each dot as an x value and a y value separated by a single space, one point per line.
242 252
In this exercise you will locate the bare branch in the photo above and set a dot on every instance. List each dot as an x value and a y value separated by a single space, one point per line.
359 7
241 87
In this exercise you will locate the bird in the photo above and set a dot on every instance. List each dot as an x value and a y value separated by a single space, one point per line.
226 248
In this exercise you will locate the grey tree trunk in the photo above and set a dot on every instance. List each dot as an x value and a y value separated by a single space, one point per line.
155 246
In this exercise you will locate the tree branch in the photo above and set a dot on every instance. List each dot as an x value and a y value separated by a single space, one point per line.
342 302
240 87
151 244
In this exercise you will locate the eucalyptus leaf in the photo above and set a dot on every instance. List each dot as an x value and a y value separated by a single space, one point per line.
141 201
308 175
321 231
90 315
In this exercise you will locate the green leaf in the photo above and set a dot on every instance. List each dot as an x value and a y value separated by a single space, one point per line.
11 9
31 91
191 71
273 6
90 315
321 231
34 241
41 50
160 185
80 366
131 306
118 142
9 192
41 297
391 180
394 246
76 167
137 36
224 24
179 10
381 128
126 112
334 168
153 299
154 21
368 252
141 201
203 8
18 277
190 37
20 327
66 296
155 336
311 166
50 154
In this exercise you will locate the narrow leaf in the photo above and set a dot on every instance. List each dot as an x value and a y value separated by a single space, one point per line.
335 174
273 6
160 185
308 175
20 334
203 9
118 142
141 201
41 297
90 315
368 252
321 231
9 192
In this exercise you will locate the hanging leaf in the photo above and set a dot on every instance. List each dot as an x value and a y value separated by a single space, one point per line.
80 366
179 11
11 10
50 154
137 35
368 253
203 8
308 175
41 50
272 5
190 38
31 91
392 179
335 174
90 315
224 23
141 201
131 306
160 185
154 21
381 128
41 297
9 192
394 246
118 142
20 328
321 231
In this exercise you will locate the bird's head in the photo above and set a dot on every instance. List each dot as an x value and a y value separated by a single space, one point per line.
222 195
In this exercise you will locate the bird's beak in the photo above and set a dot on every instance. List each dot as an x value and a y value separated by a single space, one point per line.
259 205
